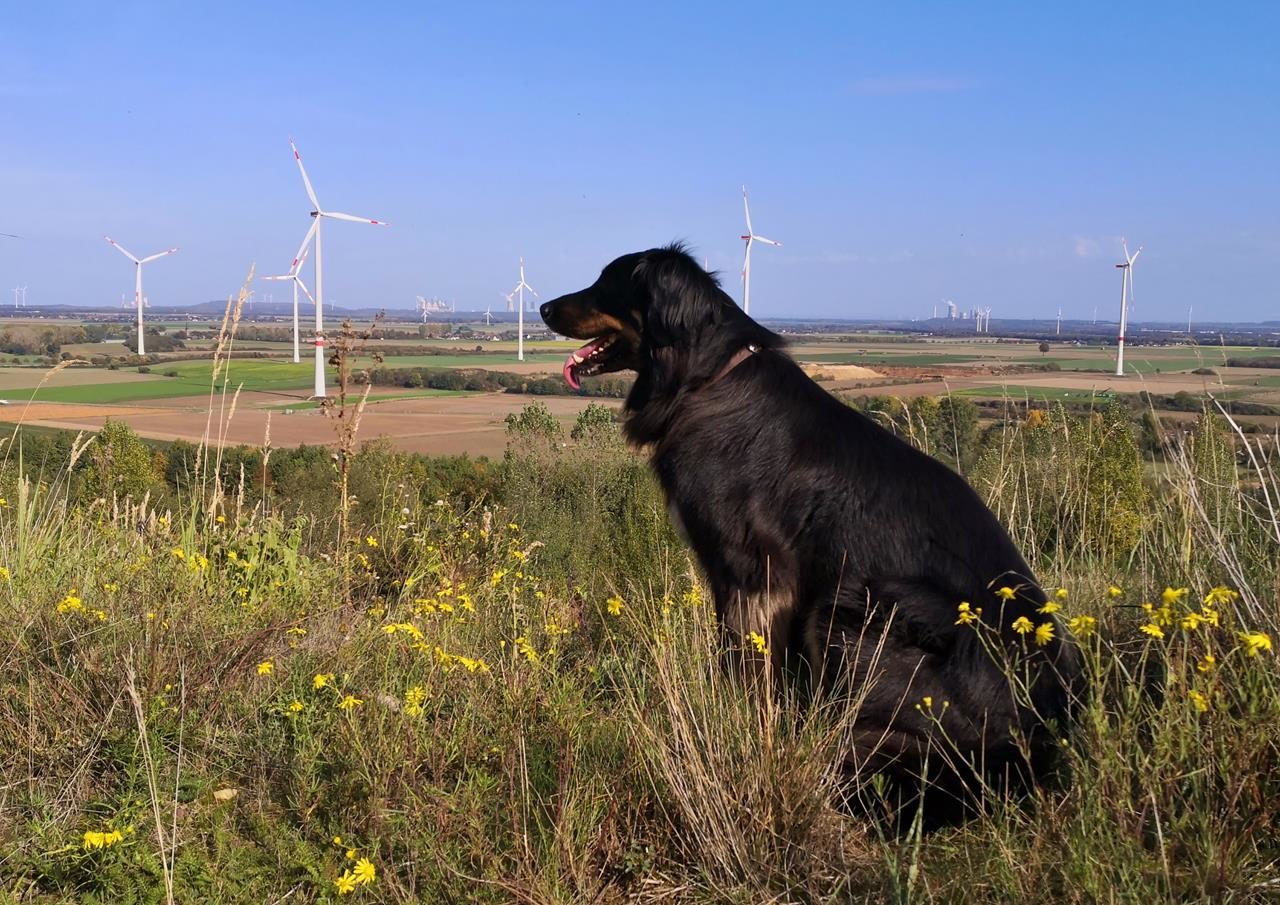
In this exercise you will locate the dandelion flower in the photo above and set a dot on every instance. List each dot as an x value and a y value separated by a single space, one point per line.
349 702
1082 626
1153 630
345 883
1255 642
614 605
1044 633
1198 701
322 680
265 668
1113 592
365 873
757 641
1022 625
1006 593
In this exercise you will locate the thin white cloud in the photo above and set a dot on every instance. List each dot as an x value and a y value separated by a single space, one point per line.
1086 247
890 85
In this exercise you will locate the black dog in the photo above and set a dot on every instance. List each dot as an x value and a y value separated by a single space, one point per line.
850 551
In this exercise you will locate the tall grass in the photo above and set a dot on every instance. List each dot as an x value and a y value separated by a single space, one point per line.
526 702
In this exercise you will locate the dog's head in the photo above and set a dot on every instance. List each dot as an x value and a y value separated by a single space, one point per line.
655 312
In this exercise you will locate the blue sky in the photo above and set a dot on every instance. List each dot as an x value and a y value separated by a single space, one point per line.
903 152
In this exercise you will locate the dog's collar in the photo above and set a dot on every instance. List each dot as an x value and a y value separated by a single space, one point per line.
738 358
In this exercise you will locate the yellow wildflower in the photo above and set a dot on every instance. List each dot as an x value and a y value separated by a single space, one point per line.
337 840
265 668
966 614
70 603
1191 622
221 520
94 839
757 641
1050 606
178 553
295 706
526 649
365 873
1082 626
1211 617
1044 633
927 701
322 680
1170 596
614 605
414 698
4 573
1153 630
1060 595
349 702
1113 592
1255 642
1207 663
1198 701
371 541
496 578
1221 594
1006 593
345 883
1022 625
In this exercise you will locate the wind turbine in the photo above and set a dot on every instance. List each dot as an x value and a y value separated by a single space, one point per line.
295 276
424 307
750 238
1058 331
519 290
20 297
1126 299
138 299
319 213
488 316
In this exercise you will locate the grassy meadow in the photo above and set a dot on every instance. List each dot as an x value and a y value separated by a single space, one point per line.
355 674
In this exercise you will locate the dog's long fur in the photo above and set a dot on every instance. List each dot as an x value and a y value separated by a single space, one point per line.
846 547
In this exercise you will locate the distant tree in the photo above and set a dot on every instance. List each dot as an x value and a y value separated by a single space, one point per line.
1044 347
118 463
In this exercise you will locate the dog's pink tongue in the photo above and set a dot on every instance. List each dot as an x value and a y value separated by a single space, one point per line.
572 362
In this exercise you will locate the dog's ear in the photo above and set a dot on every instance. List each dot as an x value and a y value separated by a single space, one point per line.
683 299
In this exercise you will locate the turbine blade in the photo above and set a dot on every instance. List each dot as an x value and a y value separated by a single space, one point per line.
303 286
120 248
311 193
354 219
167 251
305 248
287 276
766 241
746 208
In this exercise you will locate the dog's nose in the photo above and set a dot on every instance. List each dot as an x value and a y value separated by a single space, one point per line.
545 310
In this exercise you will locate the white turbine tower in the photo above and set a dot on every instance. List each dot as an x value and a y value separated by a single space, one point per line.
424 307
750 238
1126 299
295 276
488 316
138 300
20 297
518 290
319 214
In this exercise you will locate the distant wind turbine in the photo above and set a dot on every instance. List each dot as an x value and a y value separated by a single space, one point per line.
519 291
750 238
294 276
19 296
138 298
1126 299
488 316
319 213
